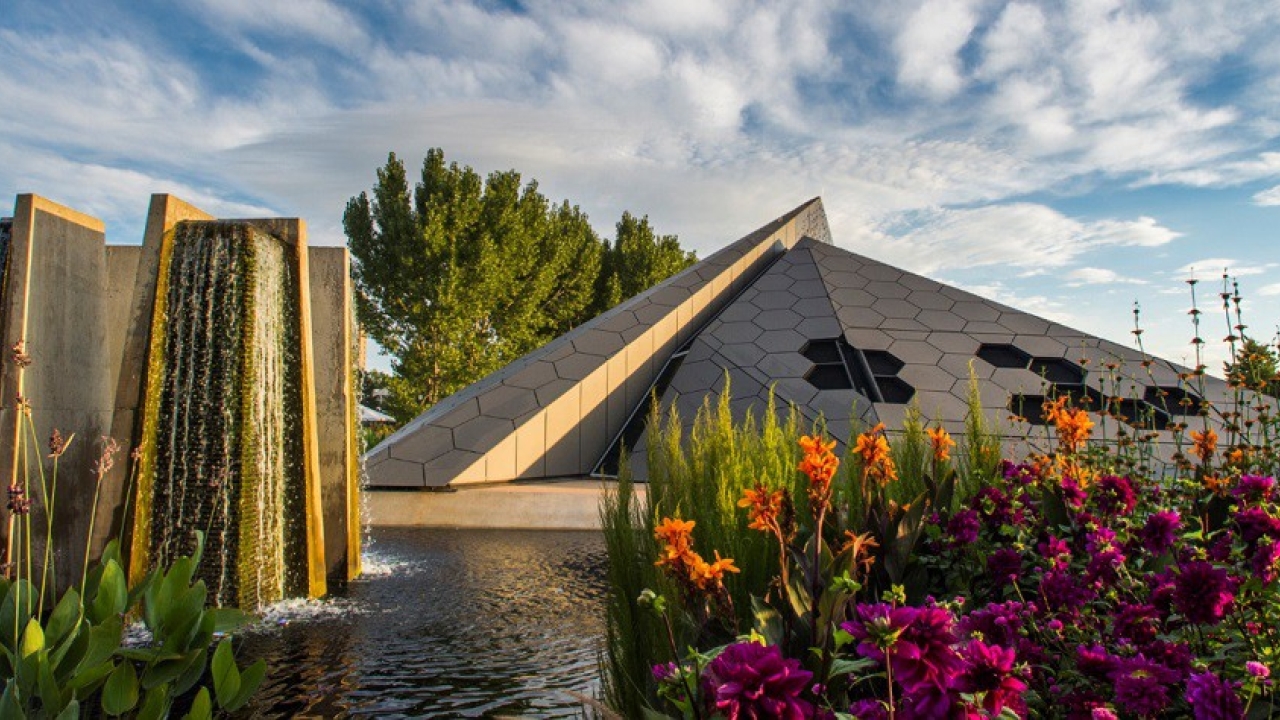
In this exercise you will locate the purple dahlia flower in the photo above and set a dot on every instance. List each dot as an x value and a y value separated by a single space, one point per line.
1202 593
752 682
1161 531
1213 698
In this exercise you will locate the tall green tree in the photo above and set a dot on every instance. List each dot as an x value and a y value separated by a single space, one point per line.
637 260
463 275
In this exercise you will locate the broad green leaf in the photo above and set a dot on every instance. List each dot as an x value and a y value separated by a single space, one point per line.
164 672
64 617
104 639
113 594
226 676
196 661
86 679
201 707
250 678
52 695
71 711
68 654
155 705
120 694
9 706
228 620
32 639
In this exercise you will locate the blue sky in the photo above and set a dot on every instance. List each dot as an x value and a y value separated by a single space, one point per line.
1067 158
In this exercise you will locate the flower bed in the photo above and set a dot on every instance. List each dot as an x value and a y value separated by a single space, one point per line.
904 583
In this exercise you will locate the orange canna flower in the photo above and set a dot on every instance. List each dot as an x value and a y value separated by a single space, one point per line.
942 443
677 539
860 547
820 464
1073 424
877 463
1205 443
765 506
1216 485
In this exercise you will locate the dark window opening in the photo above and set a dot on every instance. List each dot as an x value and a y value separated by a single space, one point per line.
822 352
1173 400
829 377
1058 370
1004 356
882 363
1137 413
894 390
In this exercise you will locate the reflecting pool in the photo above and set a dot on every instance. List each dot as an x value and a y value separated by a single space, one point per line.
446 623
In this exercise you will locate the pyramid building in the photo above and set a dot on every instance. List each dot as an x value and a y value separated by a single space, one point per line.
839 336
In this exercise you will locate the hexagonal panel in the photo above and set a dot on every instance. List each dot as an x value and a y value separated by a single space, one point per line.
915 352
775 341
978 311
1137 413
778 319
774 300
851 297
822 351
941 320
895 308
738 332
1057 370
888 290
1003 356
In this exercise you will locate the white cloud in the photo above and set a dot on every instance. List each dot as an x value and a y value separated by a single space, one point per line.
1215 267
1099 276
1022 235
928 47
1268 198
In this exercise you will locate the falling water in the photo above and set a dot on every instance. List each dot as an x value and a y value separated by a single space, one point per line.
226 448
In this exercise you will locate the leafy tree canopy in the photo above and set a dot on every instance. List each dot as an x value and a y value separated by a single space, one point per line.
1256 366
463 275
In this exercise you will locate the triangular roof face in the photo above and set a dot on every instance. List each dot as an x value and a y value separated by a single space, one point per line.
834 333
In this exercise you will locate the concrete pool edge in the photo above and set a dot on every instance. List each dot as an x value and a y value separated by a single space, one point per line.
550 505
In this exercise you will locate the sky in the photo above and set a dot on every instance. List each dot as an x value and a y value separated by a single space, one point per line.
1065 158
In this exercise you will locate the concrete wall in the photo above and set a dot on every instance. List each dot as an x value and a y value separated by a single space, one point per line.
332 325
52 300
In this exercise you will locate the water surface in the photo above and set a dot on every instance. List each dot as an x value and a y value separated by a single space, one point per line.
446 623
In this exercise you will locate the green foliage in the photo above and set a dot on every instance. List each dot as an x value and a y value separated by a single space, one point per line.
1256 366
637 260
71 659
464 275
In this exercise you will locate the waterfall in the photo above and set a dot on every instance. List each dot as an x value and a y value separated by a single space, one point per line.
226 445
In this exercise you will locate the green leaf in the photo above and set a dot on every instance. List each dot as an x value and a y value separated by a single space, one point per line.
69 653
201 707
156 704
52 695
9 706
250 678
164 671
227 620
70 712
113 594
86 680
851 667
226 676
104 640
17 608
196 661
120 694
768 621
32 640
64 617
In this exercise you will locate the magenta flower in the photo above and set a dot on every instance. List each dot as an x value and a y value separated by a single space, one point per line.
1265 561
1257 669
990 669
963 528
1213 698
869 710
1202 593
1005 566
1255 524
1062 593
1161 531
1136 622
753 682
1114 495
1056 551
1255 488
916 643
1142 685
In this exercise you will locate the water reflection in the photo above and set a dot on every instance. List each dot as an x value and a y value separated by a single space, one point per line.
447 623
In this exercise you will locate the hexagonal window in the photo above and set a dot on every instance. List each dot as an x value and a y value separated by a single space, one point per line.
894 390
1081 396
1137 413
882 363
1057 370
822 351
1004 356
1174 400
829 377
1029 408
